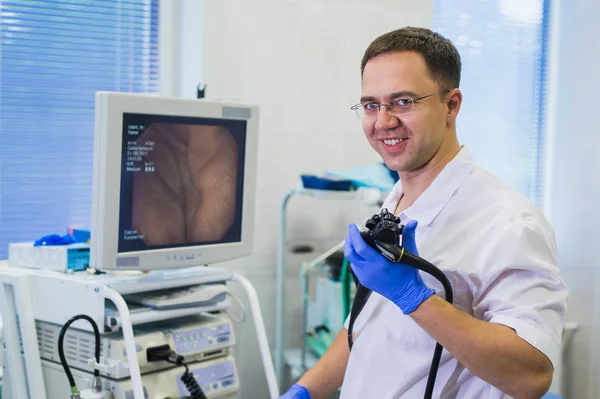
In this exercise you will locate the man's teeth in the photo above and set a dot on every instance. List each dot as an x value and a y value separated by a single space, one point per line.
393 141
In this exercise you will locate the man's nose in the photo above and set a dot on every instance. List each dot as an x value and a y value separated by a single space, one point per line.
385 120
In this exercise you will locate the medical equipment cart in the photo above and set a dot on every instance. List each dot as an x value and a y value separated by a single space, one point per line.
293 356
30 295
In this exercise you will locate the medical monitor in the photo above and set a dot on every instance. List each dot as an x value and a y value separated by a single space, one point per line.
174 181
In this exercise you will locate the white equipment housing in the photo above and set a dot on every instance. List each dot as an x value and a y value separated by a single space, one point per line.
198 338
163 384
29 297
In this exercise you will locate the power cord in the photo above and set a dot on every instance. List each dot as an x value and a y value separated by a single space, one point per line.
97 383
164 353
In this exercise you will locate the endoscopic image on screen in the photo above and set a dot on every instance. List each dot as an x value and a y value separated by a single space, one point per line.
184 185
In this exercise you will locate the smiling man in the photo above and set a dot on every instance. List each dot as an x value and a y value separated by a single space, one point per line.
502 334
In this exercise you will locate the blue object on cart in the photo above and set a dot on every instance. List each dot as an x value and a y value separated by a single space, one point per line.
376 175
54 239
324 183
73 236
80 235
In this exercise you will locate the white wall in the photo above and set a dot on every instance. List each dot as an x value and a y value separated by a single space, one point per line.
180 44
576 186
300 62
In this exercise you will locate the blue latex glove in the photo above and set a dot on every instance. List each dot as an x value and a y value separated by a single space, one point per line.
296 392
54 239
399 283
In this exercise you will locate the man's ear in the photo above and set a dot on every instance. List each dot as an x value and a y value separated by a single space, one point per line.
453 103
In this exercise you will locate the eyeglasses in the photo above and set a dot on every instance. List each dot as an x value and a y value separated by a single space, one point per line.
398 106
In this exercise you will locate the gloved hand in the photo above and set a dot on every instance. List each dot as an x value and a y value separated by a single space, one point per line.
296 392
399 283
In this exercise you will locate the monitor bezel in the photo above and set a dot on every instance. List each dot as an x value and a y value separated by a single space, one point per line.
108 139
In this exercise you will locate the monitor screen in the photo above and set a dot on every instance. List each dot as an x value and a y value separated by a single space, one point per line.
181 181
174 181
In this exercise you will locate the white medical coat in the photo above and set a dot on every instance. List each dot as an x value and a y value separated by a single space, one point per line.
499 254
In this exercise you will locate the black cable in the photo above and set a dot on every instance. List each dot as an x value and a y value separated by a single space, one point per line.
363 293
188 379
192 385
421 264
360 300
61 352
164 353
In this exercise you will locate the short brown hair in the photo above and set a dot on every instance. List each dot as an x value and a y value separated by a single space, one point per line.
441 57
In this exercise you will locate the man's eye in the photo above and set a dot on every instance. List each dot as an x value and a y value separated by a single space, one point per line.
403 102
371 106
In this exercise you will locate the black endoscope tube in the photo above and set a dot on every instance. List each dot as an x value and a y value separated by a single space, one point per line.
421 264
363 294
61 352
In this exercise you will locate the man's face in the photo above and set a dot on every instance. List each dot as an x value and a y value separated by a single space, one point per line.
408 141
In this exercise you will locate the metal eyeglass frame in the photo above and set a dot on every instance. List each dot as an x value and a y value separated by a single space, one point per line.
358 108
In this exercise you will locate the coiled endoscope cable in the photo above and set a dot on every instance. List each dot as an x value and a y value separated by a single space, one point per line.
164 353
396 253
188 379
